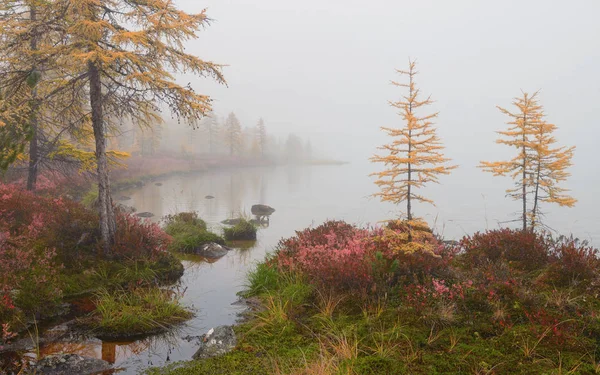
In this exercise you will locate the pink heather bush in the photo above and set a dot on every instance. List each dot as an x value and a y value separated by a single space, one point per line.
25 267
345 257
334 254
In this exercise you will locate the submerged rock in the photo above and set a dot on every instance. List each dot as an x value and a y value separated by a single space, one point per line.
124 198
158 184
216 342
211 250
209 197
145 214
67 364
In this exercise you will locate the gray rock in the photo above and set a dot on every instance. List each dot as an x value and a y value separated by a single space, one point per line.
67 364
262 210
216 342
209 197
145 214
158 184
124 198
211 250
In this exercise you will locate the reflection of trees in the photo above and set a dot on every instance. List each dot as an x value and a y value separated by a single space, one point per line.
86 349
113 351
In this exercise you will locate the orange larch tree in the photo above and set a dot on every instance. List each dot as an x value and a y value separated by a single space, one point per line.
128 53
414 157
538 167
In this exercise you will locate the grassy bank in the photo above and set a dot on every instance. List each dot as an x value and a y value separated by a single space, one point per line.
50 253
344 300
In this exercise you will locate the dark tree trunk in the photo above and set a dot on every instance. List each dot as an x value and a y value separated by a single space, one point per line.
108 225
524 183
32 172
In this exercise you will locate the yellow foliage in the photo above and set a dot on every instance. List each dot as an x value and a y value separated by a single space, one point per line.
538 167
414 157
87 159
408 237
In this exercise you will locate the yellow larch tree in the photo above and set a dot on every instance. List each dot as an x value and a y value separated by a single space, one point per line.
414 157
549 164
536 168
127 53
518 135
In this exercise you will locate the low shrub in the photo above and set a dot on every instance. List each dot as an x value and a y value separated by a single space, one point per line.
137 238
243 230
572 262
525 250
47 242
334 254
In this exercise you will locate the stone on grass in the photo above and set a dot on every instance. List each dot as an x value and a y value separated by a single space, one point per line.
216 342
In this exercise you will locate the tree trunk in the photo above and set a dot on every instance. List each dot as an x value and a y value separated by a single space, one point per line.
536 196
107 215
32 172
524 178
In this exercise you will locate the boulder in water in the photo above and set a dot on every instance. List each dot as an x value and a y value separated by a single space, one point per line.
262 210
158 184
211 250
216 342
209 197
124 198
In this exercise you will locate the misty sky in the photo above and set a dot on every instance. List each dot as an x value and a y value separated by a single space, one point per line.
322 68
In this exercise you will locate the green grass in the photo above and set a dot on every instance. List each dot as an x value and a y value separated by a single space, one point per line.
243 230
135 312
189 232
304 329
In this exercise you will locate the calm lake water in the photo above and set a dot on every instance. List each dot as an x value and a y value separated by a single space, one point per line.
302 197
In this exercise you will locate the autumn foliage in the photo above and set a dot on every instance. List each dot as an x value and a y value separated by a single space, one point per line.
538 166
414 156
44 237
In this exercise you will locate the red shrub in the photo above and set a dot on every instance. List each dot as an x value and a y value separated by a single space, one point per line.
571 261
335 254
137 238
523 249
